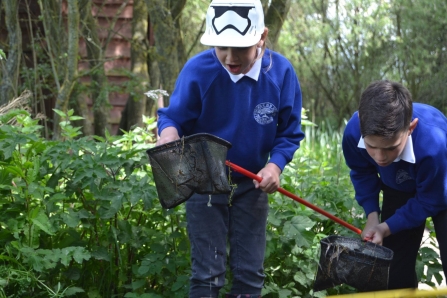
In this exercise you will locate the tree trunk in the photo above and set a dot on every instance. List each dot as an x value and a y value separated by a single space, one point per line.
274 19
136 104
72 64
8 87
168 40
154 83
99 89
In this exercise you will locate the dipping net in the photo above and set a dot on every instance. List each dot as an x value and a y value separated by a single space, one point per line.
193 164
360 264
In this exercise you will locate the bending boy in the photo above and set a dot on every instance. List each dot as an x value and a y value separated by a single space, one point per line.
399 148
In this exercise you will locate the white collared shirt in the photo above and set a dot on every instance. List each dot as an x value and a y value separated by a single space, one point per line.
406 155
252 73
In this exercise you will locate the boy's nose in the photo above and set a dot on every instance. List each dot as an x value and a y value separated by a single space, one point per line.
381 155
232 55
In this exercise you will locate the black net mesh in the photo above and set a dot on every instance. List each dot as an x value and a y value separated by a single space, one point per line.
191 164
362 265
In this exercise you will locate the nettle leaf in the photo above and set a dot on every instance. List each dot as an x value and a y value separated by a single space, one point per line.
138 284
274 221
40 260
32 258
51 256
9 146
306 240
284 293
11 114
144 269
297 227
81 254
33 173
77 253
151 264
43 222
60 113
89 174
181 282
106 213
37 191
101 254
15 171
300 278
31 235
84 214
71 219
73 291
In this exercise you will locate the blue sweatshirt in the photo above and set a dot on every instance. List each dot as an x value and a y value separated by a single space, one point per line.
427 177
261 119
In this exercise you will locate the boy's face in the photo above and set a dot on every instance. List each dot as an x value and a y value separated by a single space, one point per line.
383 150
237 60
240 60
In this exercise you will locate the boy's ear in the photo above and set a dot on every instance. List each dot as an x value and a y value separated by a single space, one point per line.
263 38
413 125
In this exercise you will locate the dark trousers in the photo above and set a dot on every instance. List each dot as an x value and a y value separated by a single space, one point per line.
212 224
440 223
405 244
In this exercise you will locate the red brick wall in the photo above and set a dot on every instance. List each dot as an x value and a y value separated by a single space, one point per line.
117 52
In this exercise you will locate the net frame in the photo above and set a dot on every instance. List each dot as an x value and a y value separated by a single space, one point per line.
192 164
361 264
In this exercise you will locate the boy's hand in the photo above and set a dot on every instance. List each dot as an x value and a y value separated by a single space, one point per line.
375 231
270 178
167 135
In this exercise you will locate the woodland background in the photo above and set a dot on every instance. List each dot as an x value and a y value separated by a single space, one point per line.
81 81
100 57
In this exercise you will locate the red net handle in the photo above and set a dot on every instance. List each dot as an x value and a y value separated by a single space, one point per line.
294 197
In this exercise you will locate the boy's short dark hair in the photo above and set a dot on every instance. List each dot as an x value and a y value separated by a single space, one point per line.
385 109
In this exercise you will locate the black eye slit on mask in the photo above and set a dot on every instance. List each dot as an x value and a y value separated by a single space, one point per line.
242 11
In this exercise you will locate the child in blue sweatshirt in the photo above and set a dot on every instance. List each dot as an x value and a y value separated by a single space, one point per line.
250 96
399 148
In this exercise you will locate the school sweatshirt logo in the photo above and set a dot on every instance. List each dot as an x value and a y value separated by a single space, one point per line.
264 113
402 176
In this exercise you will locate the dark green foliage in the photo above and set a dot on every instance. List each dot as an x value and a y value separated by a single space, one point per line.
80 217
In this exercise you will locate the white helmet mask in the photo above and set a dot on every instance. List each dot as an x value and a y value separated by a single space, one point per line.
233 23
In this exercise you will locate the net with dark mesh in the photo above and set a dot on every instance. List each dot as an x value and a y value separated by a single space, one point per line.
193 164
362 265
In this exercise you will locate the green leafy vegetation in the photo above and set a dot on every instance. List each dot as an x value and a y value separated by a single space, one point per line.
80 217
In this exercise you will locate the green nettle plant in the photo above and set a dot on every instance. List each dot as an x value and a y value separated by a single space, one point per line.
80 217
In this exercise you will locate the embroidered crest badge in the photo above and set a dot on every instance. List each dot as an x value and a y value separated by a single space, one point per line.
264 113
402 176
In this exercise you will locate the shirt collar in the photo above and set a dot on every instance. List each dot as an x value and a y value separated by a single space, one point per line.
252 73
406 155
